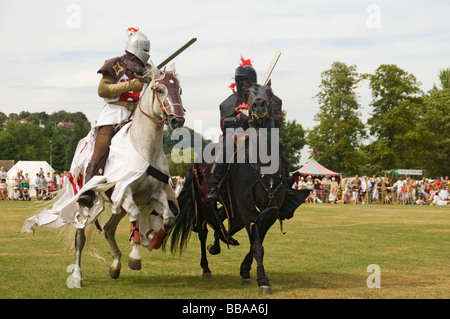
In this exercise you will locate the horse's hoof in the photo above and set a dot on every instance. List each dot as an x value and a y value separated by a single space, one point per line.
134 264
114 273
246 282
212 250
267 290
207 275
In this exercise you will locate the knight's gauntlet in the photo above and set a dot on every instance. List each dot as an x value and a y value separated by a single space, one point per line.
109 89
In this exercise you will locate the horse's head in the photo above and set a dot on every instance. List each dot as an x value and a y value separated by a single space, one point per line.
167 97
258 99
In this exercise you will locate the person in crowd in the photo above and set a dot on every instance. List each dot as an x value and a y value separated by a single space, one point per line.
26 182
344 191
317 189
334 189
355 187
427 189
43 188
56 180
326 185
441 196
3 173
388 190
49 181
17 194
4 189
363 194
398 186
37 181
437 183
18 181
26 194
379 189
66 178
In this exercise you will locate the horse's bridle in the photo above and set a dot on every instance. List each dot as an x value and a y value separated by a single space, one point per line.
171 104
252 98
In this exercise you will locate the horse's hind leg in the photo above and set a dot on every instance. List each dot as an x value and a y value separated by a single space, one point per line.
246 266
110 232
202 235
80 240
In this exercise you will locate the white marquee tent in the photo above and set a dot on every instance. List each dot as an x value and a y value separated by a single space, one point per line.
30 167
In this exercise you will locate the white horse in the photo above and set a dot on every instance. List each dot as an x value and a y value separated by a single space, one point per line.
146 196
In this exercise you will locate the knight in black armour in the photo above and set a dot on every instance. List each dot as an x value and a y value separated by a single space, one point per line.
245 77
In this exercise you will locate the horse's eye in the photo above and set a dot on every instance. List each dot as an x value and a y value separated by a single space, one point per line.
181 91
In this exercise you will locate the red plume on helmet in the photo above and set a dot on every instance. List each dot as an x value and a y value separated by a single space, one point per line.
131 31
245 62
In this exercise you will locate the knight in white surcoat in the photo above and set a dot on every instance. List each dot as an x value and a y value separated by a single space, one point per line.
121 86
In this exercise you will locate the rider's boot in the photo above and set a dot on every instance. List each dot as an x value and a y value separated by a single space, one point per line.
101 151
87 198
218 173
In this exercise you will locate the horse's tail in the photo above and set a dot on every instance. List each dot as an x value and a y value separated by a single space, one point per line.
68 233
180 233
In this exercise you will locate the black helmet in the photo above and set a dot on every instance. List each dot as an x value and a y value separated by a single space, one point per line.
245 77
247 72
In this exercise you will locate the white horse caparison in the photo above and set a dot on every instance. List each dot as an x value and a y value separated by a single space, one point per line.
160 104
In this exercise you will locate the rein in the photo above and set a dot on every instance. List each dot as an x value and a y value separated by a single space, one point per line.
157 121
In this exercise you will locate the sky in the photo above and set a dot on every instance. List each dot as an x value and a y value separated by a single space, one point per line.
51 50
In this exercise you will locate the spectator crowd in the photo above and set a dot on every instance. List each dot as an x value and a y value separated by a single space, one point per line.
45 184
378 190
334 190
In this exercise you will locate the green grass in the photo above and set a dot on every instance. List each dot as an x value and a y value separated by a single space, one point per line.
324 254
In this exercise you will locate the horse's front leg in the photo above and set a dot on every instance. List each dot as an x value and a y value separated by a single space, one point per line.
258 253
134 261
214 249
258 231
166 203
110 232
246 266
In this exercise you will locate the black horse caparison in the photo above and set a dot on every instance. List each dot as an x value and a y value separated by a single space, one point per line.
249 198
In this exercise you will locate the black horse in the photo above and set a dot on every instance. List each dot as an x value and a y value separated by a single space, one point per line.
249 198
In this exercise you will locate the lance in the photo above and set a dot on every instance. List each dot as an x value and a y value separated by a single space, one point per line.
271 67
176 53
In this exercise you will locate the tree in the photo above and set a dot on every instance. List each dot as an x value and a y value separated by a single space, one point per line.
339 132
396 101
444 76
292 137
434 129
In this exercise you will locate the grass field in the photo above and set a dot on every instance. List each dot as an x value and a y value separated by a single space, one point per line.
324 254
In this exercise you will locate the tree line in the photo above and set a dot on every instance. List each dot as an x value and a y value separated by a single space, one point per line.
40 139
407 128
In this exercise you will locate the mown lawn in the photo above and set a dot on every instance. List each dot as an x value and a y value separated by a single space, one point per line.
324 254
